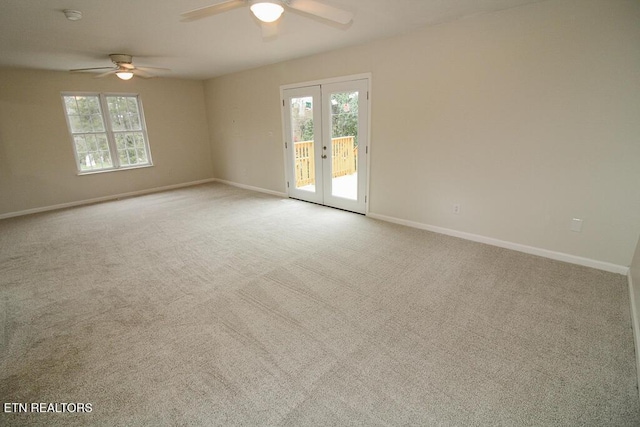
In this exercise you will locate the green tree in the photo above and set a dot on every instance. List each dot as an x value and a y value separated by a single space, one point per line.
306 129
344 115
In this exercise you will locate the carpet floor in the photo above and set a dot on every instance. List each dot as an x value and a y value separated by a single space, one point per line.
213 305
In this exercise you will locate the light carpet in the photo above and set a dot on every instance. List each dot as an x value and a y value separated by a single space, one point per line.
213 305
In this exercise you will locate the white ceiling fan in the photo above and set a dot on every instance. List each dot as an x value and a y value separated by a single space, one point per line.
123 68
270 10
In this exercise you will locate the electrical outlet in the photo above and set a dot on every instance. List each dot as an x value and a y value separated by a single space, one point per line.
576 225
456 208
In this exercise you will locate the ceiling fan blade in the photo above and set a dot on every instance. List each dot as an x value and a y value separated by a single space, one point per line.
85 70
313 7
152 69
214 9
141 73
112 71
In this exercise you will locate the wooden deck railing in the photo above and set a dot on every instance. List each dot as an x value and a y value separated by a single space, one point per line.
305 166
343 160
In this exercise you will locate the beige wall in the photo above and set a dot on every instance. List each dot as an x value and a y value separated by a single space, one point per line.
527 118
37 165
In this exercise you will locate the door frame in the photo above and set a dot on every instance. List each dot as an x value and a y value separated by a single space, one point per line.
367 154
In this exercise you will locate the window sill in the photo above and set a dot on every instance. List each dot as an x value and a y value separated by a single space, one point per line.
114 170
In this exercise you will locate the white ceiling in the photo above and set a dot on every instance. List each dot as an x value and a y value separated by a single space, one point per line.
36 34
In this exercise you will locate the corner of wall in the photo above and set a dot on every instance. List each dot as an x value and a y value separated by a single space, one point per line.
634 296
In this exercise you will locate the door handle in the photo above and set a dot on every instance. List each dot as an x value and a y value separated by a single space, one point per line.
324 156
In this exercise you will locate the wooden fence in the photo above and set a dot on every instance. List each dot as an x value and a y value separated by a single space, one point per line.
343 159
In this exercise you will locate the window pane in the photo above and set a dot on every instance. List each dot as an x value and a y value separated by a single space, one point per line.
117 121
97 124
114 103
131 140
106 156
124 112
120 141
101 160
71 105
135 122
103 144
344 114
91 143
139 140
124 160
93 105
127 121
85 123
80 143
344 142
93 152
142 155
84 103
125 145
134 114
88 162
132 105
132 156
116 112
75 123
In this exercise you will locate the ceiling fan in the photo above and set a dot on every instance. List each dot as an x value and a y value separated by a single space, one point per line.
123 69
270 10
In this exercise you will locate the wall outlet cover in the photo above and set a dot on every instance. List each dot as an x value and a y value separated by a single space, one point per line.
576 225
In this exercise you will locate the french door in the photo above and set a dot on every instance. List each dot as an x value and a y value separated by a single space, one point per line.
326 143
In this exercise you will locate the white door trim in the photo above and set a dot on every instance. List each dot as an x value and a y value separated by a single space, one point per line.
326 81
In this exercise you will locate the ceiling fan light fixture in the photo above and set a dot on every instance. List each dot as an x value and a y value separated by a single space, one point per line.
267 11
124 75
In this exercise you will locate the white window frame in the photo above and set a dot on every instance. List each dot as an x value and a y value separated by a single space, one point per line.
109 132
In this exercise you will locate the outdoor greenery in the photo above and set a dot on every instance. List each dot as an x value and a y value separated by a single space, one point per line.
306 129
344 117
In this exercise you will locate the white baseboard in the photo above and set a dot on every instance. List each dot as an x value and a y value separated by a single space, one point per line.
250 187
635 323
558 256
104 198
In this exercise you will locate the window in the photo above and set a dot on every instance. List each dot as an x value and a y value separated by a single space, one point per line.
103 141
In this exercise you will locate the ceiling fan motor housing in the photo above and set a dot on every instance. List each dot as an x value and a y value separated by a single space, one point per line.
120 58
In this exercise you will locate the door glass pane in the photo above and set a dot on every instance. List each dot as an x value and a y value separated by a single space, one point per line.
344 145
303 135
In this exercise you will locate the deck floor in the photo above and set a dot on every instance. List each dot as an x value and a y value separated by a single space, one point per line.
343 186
